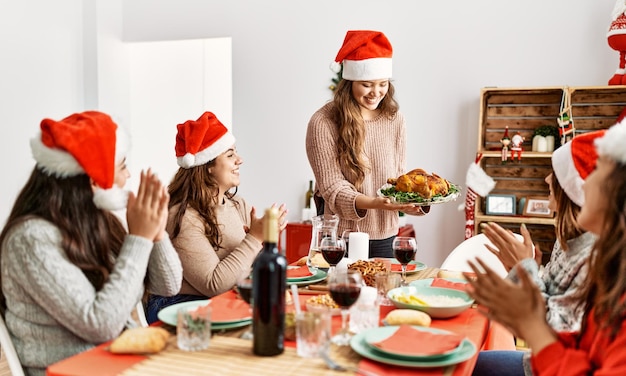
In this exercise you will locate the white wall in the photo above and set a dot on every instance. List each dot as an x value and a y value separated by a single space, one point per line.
444 53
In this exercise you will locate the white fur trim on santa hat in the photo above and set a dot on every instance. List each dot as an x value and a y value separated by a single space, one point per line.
567 174
613 143
478 180
618 9
59 163
368 69
204 156
114 198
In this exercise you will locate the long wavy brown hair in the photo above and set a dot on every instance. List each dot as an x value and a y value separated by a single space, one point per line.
92 237
567 226
197 188
605 289
351 130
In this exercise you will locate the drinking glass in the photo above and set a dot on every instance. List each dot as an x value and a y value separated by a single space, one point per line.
345 235
344 287
404 249
333 250
244 288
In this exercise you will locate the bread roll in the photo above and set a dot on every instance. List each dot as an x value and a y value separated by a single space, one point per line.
444 273
408 316
140 341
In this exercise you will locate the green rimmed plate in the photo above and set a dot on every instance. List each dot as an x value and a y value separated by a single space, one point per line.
360 346
319 276
168 315
381 333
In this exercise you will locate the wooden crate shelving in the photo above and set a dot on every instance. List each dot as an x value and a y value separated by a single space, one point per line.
523 110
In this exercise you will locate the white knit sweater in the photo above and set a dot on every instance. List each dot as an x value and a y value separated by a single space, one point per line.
54 312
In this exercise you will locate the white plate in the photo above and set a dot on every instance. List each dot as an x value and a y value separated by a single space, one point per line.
418 201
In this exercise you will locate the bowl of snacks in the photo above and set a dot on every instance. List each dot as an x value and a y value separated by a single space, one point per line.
322 303
290 326
438 302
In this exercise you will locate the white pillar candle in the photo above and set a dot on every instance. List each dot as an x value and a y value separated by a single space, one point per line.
358 248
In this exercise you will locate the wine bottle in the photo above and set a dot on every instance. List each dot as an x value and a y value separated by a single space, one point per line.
268 292
309 195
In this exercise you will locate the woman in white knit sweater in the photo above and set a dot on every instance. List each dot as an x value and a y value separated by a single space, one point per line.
358 141
71 274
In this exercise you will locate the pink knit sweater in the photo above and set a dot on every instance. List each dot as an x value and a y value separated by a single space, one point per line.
385 147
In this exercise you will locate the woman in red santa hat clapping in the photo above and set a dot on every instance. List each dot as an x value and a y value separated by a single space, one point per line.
71 274
599 347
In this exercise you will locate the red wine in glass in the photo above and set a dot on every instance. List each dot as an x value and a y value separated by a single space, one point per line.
404 255
404 249
345 295
245 291
344 288
333 254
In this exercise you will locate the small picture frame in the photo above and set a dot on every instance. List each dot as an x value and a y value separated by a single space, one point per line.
538 206
500 204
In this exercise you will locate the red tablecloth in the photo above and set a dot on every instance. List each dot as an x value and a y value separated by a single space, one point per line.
100 362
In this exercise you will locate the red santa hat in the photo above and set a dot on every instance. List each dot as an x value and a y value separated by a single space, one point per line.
613 144
202 140
573 162
366 55
84 143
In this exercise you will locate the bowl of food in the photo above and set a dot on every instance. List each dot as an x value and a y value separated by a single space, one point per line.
322 303
438 302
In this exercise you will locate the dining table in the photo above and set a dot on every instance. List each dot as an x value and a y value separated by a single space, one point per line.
230 355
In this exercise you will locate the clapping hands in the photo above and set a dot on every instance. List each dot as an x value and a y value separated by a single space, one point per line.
147 211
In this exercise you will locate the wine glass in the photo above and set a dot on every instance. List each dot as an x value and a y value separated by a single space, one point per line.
244 289
345 235
404 249
344 287
333 250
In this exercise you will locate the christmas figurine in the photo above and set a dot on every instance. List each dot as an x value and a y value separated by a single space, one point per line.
616 37
505 141
516 146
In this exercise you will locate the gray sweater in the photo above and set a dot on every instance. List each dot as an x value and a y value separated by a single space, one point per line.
54 312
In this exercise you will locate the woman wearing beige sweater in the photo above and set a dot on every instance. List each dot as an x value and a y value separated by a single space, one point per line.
217 235
358 141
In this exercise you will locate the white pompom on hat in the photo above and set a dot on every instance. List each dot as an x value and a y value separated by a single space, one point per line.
200 141
573 162
365 55
613 144
84 143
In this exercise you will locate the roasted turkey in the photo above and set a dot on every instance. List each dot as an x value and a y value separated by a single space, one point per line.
420 182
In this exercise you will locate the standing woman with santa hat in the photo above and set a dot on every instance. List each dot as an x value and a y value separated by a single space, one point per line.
216 234
357 141
71 274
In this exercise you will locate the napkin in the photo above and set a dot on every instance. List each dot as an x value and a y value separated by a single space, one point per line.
227 307
398 267
421 342
300 272
442 282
